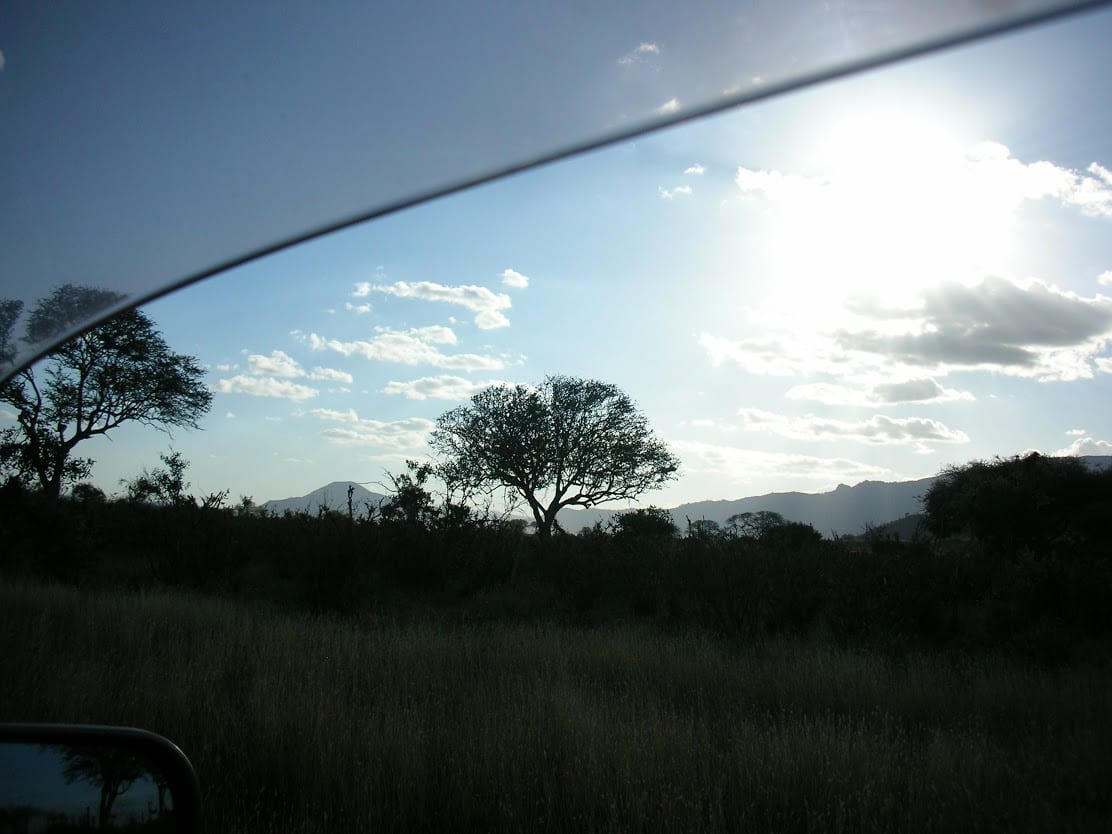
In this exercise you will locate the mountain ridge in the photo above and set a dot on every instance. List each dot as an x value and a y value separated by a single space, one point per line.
844 510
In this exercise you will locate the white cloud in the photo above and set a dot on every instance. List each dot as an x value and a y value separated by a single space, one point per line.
513 278
255 386
781 188
277 364
1100 172
774 355
678 191
409 434
1033 329
229 415
877 430
1085 446
406 347
330 375
639 54
983 183
1075 432
921 390
358 309
748 466
1105 278
443 387
225 367
669 107
282 365
362 289
486 305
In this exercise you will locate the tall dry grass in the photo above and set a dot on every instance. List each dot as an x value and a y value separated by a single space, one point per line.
303 724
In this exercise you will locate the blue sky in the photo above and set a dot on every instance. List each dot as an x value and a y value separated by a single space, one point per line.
869 279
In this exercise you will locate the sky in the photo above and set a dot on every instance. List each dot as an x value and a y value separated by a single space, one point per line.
867 280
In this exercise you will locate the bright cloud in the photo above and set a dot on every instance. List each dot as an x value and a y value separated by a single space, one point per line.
282 365
362 289
678 191
443 387
922 390
672 105
513 278
639 54
1086 446
358 309
277 364
696 169
1105 278
775 355
877 430
890 190
743 467
417 346
331 375
265 386
1030 329
405 435
486 305
1075 432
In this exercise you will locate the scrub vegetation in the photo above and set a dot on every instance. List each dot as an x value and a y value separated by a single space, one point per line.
414 667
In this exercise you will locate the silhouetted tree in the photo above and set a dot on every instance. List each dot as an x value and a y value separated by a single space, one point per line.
119 372
570 442
754 524
647 523
162 485
409 501
1014 501
110 771
9 314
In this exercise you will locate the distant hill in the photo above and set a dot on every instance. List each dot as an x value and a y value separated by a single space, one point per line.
844 511
334 497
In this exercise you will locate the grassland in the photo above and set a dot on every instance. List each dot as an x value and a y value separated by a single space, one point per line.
297 723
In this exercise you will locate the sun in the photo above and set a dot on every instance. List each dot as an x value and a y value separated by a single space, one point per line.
897 205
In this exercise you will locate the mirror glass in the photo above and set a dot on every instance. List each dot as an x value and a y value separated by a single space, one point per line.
86 787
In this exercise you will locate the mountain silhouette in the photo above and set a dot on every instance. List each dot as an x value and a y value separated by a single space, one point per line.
846 510
334 496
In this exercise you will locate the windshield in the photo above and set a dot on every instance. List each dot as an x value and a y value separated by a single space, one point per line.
147 146
752 473
865 281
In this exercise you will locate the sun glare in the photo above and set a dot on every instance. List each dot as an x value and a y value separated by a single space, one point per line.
898 206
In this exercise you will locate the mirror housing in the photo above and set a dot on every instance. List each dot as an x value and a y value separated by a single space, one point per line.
83 777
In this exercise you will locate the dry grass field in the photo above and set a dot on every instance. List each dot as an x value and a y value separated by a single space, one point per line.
309 724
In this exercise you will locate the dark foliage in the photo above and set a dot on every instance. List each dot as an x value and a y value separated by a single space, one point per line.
1049 599
570 442
120 372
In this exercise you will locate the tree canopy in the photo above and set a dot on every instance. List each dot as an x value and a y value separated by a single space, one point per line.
1013 502
570 442
119 372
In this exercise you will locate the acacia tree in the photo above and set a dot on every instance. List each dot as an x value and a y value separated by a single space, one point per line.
119 372
569 442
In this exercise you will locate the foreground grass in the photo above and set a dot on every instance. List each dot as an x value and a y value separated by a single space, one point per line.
300 724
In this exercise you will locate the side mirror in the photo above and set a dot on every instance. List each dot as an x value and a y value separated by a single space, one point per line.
57 777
